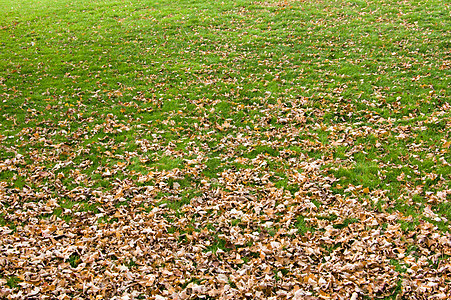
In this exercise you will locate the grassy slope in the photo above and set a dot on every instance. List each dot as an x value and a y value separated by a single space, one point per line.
227 96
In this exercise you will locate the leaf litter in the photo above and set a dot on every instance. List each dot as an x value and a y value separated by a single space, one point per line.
227 198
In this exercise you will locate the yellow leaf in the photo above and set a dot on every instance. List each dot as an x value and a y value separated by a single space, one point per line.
324 295
366 190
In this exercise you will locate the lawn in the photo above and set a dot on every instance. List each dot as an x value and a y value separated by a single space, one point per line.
225 149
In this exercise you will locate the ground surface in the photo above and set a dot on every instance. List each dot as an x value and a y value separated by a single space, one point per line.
225 149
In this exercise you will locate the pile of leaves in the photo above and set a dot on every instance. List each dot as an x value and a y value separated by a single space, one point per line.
229 150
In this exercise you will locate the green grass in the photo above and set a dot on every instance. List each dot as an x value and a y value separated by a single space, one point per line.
74 260
13 282
218 243
302 226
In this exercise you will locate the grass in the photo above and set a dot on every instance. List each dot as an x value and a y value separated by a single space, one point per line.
13 281
302 226
74 260
217 244
93 94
